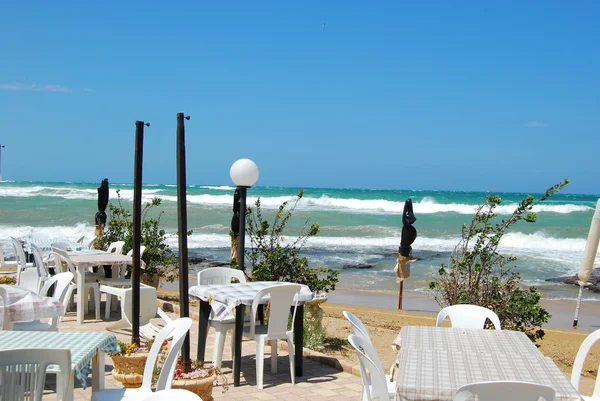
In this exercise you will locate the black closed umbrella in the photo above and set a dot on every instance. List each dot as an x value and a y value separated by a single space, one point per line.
409 234
102 204
235 225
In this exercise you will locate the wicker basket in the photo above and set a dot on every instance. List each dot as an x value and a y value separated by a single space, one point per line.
202 387
129 369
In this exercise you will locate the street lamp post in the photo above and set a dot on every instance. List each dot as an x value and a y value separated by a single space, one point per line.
1 147
244 174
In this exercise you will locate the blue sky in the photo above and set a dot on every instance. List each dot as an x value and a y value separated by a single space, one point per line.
408 95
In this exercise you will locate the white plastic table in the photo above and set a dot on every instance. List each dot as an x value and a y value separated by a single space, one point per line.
434 362
87 348
86 259
230 296
23 305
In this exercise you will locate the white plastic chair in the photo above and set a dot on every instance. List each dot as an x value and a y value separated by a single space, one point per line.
178 328
468 316
7 264
90 285
22 263
148 310
174 394
505 390
4 316
63 282
371 372
40 265
360 330
23 372
117 280
282 297
584 350
220 275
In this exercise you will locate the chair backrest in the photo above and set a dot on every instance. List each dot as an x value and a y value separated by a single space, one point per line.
142 250
468 316
38 259
179 328
173 394
29 279
376 387
358 328
148 306
584 350
19 252
64 257
4 316
62 245
23 372
220 275
116 247
282 298
505 390
63 281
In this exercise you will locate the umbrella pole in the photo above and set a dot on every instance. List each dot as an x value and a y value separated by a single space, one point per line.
576 318
184 310
400 294
137 230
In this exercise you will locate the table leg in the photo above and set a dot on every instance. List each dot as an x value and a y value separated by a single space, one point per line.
203 329
80 271
299 339
237 350
98 371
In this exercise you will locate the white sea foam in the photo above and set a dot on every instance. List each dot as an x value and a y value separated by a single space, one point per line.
70 192
219 188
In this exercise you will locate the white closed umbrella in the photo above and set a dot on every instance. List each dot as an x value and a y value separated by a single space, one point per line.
589 255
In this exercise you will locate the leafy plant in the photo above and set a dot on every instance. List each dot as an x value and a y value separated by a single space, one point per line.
478 274
158 256
8 280
271 260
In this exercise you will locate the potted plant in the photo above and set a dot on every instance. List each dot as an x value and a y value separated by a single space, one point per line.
129 363
200 379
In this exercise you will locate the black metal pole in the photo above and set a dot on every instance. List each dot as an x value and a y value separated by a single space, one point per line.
184 310
137 229
242 233
1 147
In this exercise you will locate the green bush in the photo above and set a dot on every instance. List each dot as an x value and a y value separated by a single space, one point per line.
273 261
158 256
478 274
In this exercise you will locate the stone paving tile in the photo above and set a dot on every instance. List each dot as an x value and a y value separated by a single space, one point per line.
319 382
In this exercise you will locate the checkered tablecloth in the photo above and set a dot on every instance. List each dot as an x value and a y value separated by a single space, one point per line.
83 346
464 340
434 362
227 296
45 243
24 305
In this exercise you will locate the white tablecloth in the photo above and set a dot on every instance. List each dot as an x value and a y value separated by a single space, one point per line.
228 296
24 305
434 362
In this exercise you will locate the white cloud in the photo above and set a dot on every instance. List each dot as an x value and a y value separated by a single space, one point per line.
536 124
33 87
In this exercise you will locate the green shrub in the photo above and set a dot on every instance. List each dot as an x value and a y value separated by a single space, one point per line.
478 274
273 261
158 256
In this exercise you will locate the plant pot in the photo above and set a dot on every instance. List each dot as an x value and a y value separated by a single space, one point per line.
151 281
129 369
202 387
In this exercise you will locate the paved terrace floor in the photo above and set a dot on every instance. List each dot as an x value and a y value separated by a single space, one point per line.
319 382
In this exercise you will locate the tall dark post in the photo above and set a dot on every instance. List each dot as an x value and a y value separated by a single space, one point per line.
242 235
1 147
183 248
137 229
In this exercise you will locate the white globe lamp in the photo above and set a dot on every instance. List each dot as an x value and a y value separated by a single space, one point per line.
243 173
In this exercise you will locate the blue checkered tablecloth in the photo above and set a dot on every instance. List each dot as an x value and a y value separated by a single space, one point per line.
83 346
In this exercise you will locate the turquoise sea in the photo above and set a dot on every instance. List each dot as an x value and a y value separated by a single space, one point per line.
358 226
